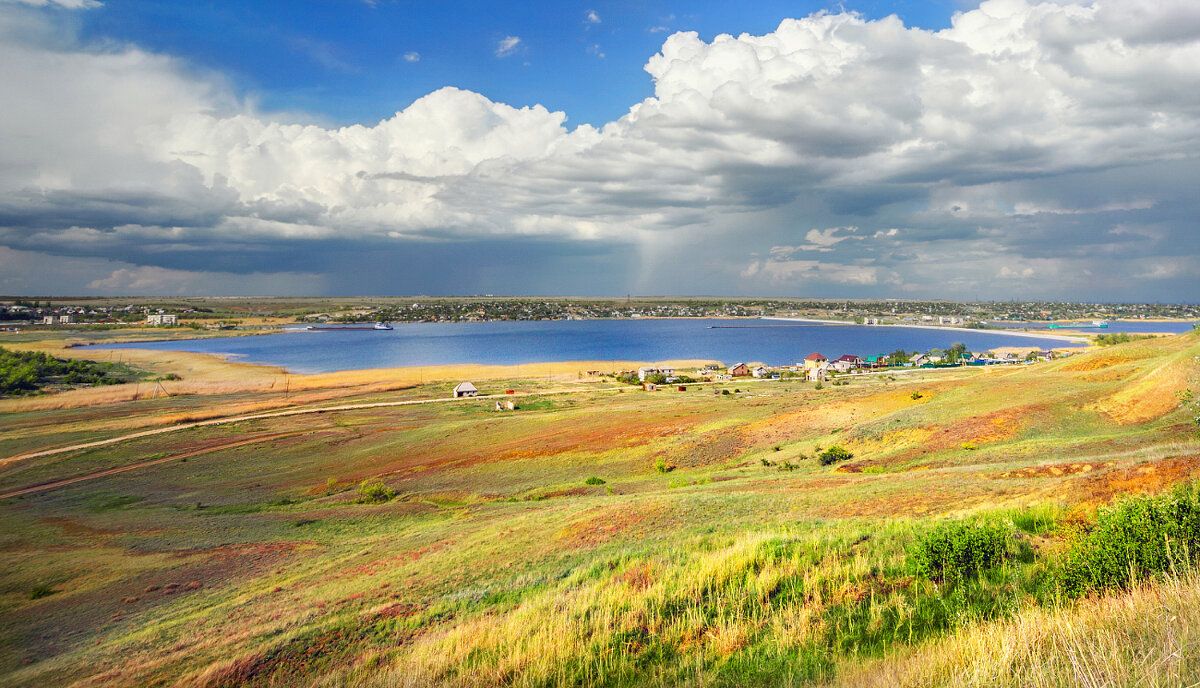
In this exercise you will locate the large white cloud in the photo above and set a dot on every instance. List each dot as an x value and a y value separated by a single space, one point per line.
979 138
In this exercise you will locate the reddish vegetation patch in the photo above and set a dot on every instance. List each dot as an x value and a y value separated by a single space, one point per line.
713 448
638 578
1144 477
602 524
974 432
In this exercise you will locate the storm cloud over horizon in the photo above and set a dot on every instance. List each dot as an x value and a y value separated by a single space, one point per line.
1030 150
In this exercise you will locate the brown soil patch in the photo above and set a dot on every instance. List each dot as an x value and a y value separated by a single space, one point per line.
1144 477
1056 470
70 527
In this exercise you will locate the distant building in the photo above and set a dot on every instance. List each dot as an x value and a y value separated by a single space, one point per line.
739 370
870 321
465 389
645 372
759 371
64 320
162 319
814 360
50 320
818 373
846 363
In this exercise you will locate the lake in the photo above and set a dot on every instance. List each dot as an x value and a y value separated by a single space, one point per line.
650 340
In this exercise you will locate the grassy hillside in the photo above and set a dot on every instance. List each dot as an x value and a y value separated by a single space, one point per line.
716 550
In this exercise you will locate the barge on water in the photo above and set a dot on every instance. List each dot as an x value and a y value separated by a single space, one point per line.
331 328
1079 326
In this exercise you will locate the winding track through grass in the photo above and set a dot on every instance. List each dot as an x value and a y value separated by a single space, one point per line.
141 464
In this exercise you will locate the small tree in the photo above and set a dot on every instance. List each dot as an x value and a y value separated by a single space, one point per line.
834 454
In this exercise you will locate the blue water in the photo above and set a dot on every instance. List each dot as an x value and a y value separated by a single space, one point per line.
1113 326
417 344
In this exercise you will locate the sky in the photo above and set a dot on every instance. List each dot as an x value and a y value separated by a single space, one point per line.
1009 149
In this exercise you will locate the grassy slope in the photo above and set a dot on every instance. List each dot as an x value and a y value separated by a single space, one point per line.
497 564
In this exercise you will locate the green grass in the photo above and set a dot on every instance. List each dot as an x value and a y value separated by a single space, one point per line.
497 560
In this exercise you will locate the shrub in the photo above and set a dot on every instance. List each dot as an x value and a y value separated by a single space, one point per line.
374 493
660 465
594 481
953 552
41 590
1137 538
725 392
833 455
818 386
915 395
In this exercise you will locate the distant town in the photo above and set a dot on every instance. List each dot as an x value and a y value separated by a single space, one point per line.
237 313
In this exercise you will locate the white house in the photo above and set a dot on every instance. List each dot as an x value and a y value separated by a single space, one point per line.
643 373
465 389
162 319
759 371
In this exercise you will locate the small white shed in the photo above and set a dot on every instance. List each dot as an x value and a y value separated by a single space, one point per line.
465 389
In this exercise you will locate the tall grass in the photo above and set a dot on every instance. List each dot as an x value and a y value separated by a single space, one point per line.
1146 637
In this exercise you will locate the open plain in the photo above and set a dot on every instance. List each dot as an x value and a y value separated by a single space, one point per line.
246 527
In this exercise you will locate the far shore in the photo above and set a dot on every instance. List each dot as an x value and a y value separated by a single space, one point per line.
1077 339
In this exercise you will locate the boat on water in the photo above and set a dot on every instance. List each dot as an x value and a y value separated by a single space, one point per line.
1079 326
331 328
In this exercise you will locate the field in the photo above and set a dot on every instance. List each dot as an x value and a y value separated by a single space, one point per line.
597 535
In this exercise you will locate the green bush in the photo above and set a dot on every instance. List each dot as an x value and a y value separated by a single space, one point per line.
26 372
914 396
953 552
594 481
374 493
660 465
1135 539
41 590
833 455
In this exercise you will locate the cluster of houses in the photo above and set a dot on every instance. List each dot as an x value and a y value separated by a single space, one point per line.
816 367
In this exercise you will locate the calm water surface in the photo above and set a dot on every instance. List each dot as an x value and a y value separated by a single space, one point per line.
419 344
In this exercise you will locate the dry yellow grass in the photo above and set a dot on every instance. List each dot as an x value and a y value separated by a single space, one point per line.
209 374
1150 396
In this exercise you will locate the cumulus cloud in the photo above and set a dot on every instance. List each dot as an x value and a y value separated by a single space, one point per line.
412 56
507 46
591 17
1050 136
